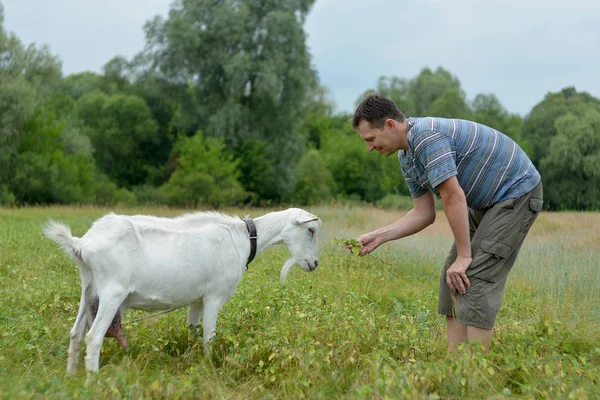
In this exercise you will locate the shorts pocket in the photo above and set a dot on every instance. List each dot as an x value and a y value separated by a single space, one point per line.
535 206
489 261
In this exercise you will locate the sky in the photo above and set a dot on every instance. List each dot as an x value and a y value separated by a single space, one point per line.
517 49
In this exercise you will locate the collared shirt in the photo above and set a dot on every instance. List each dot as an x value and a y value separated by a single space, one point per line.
490 166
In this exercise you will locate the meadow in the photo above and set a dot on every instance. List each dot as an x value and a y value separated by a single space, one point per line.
356 328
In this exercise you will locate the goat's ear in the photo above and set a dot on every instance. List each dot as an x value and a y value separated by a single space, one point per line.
301 221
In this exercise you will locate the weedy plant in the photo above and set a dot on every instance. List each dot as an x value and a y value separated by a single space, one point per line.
354 246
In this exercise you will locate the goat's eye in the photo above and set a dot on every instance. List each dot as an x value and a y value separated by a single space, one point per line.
311 230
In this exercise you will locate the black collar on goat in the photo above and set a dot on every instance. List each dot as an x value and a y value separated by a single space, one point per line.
252 232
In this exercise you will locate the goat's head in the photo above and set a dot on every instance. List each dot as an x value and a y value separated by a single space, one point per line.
301 238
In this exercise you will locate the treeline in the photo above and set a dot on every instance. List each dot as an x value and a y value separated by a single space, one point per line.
222 107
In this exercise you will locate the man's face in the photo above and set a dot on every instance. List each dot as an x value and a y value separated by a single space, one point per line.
385 140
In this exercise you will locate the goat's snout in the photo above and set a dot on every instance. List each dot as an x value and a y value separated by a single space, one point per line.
313 266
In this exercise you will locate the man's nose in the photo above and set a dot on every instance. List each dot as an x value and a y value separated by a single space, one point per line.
370 147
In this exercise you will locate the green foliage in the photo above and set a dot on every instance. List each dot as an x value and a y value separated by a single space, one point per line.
123 133
115 78
572 165
488 110
428 86
540 125
314 182
352 244
165 101
6 196
395 88
205 174
77 85
45 157
40 172
27 76
258 171
357 172
249 72
240 71
416 96
320 117
450 104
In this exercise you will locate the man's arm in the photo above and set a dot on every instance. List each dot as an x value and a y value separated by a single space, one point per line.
417 219
457 213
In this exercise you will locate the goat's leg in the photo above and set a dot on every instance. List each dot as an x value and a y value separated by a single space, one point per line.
77 333
194 314
115 329
212 305
110 301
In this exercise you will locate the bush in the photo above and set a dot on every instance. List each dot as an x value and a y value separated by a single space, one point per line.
205 174
315 181
6 196
107 193
356 171
148 195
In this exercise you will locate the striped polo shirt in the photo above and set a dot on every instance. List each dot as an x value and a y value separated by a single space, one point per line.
490 166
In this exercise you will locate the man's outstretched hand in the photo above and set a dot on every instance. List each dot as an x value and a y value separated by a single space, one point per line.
369 242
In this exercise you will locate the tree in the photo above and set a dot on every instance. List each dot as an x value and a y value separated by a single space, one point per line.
123 134
396 89
249 69
415 97
572 164
76 85
428 86
258 170
115 79
450 104
42 172
27 77
539 127
165 101
488 110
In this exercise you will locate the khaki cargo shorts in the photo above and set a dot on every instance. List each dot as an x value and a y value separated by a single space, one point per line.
497 234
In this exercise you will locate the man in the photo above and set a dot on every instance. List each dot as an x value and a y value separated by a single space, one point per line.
491 194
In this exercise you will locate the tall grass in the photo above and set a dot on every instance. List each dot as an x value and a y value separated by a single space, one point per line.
355 328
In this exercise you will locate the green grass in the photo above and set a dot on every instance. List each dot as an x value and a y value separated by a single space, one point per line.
355 328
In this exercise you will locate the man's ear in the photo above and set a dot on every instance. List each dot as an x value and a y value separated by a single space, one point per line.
390 123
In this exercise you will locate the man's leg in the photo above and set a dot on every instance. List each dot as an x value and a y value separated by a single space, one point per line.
457 333
484 336
496 243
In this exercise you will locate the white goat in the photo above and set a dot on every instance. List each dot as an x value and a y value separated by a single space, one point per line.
151 263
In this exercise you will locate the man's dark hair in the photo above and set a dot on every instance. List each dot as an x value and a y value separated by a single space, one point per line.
375 109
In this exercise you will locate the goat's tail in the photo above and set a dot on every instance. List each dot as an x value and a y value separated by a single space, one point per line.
61 234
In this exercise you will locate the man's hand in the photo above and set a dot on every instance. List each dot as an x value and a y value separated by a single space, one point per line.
456 276
370 241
